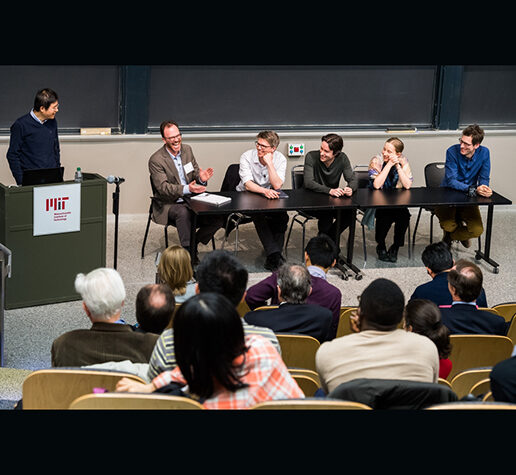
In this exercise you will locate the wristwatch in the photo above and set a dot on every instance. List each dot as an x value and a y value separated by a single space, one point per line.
472 191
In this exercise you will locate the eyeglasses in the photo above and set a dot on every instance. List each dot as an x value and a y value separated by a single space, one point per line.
178 136
261 145
465 143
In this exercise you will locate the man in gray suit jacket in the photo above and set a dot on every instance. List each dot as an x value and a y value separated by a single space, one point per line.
175 174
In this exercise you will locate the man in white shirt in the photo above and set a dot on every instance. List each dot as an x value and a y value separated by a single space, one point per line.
262 170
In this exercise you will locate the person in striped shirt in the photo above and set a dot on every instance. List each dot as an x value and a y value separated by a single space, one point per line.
221 272
217 363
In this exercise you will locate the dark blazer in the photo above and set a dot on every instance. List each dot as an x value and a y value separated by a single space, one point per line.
306 319
437 291
463 318
103 342
166 181
323 294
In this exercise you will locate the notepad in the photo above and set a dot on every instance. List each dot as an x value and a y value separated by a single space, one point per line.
216 200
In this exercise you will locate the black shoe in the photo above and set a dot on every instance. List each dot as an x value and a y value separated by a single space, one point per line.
382 254
274 261
393 253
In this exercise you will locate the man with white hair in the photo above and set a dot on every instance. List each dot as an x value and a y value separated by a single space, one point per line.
109 338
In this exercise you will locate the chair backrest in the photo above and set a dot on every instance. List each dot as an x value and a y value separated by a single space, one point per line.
506 310
465 380
393 393
474 351
434 174
298 351
298 176
306 383
344 326
130 401
511 332
231 178
474 405
362 175
481 388
56 388
489 309
310 404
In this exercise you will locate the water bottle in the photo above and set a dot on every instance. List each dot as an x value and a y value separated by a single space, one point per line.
78 175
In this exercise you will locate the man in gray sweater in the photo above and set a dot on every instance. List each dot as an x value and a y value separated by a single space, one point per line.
322 173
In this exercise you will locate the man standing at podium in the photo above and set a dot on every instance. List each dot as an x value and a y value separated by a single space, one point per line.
174 173
34 142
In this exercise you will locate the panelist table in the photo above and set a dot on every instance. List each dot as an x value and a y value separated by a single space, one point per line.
430 197
297 199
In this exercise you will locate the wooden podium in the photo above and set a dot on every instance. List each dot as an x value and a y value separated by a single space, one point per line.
44 267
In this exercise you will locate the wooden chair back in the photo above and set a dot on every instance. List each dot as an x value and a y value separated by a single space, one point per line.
481 388
132 401
298 351
307 384
465 380
310 404
511 332
344 327
506 310
56 388
474 351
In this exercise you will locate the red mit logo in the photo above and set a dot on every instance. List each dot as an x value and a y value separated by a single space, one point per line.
57 203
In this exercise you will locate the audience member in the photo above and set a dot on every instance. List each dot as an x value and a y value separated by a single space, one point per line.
217 364
219 272
155 306
388 170
424 317
262 170
438 261
503 380
175 270
294 315
320 256
103 294
378 348
463 315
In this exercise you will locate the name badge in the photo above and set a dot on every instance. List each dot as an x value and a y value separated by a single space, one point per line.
188 168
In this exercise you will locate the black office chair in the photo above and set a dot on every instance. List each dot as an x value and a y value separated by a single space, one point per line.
150 218
300 217
434 174
362 174
233 220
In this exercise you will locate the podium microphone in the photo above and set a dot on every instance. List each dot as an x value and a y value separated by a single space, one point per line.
115 179
116 200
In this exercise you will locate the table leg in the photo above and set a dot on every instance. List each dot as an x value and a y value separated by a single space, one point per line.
344 263
487 246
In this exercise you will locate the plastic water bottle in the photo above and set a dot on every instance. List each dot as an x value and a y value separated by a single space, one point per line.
78 175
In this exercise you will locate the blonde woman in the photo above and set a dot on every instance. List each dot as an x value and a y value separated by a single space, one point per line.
390 169
175 270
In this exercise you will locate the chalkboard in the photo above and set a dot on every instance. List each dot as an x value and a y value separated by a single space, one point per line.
219 97
88 94
488 95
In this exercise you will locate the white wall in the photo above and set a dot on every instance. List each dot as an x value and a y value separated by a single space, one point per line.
127 156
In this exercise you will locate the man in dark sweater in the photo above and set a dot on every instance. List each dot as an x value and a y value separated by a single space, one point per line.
322 172
293 314
34 141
